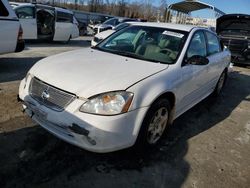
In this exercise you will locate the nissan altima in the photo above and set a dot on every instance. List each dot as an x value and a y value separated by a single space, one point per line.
126 90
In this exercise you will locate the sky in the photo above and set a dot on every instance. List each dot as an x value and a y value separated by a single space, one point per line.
227 6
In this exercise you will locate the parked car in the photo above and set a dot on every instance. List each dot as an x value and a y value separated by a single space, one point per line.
104 34
234 31
111 23
82 26
10 30
127 89
46 22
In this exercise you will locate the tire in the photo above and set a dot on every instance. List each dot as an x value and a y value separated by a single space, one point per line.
154 125
220 84
67 41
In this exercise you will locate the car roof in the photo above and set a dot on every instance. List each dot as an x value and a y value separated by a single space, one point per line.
181 27
18 4
63 10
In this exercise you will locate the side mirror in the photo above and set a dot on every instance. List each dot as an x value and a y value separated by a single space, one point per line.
197 60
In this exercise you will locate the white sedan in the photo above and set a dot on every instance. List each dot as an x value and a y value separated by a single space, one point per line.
127 89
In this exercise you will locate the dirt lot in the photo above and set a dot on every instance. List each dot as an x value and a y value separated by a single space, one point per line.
208 146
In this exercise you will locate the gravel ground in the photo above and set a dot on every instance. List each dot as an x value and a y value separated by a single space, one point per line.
208 146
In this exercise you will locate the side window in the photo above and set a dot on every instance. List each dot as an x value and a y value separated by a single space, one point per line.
197 45
64 17
25 12
213 43
3 11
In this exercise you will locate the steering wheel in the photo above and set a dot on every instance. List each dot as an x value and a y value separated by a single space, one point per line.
166 51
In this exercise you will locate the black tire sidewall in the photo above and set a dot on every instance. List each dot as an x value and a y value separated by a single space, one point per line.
141 141
216 91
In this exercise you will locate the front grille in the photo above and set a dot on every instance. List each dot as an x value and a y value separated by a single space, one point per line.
50 96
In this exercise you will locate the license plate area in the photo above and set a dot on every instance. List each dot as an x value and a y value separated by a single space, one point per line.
33 110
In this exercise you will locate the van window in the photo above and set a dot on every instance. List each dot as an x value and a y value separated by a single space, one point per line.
213 43
25 12
3 10
64 17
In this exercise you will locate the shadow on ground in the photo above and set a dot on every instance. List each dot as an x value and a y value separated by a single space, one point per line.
15 68
31 157
72 43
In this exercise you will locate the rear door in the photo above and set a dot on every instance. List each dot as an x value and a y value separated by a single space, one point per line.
9 27
217 59
27 17
63 26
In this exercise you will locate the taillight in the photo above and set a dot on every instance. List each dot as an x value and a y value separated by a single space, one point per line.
20 34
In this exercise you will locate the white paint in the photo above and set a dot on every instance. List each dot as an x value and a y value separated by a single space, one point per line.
173 34
88 72
9 30
63 31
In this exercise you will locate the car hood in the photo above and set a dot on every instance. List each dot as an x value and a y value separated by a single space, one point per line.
104 34
233 22
88 72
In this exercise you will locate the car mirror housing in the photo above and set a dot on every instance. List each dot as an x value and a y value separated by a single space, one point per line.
197 60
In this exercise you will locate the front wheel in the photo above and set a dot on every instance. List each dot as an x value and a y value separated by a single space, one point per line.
154 124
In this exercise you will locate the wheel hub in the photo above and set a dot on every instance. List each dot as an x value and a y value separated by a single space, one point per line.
157 125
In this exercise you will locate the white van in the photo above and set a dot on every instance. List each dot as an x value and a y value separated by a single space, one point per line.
46 22
10 30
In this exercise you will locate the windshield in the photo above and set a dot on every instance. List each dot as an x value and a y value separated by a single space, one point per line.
147 43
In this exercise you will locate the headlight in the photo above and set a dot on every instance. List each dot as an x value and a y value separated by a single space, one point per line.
110 103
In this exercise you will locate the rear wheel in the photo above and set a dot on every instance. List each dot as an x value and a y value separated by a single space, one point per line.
220 84
67 41
154 124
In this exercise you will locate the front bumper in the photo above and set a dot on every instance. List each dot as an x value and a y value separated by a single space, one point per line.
92 132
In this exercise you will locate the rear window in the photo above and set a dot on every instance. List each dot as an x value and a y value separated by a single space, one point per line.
64 17
3 10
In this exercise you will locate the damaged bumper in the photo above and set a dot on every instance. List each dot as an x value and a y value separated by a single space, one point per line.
91 132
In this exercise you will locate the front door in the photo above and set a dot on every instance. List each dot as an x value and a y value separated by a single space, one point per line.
194 77
27 18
